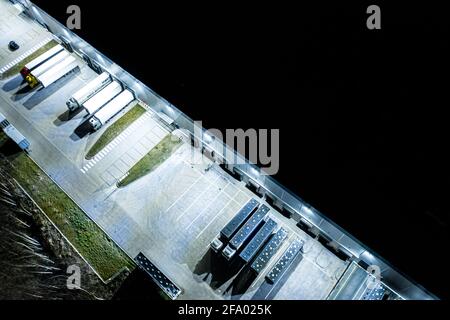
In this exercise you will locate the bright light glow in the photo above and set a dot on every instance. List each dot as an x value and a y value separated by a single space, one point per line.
207 137
307 211
170 109
254 171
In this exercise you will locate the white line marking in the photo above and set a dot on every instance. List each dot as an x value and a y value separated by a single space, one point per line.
204 209
213 219
192 203
187 190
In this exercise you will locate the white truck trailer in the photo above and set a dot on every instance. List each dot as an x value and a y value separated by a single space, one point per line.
88 91
58 71
111 109
33 77
29 67
102 97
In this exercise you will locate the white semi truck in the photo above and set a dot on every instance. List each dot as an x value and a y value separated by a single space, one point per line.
111 109
58 71
88 91
29 67
102 97
32 78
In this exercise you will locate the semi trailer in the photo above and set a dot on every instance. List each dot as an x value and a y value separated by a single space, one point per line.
58 71
285 261
13 133
29 67
230 229
270 249
88 91
102 97
111 109
32 78
258 240
245 232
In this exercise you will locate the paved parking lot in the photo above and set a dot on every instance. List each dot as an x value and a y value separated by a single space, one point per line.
114 161
18 28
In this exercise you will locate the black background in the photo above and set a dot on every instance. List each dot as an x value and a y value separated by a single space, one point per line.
364 132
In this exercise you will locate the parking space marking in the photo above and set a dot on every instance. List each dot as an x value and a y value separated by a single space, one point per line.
127 159
184 193
113 144
195 200
204 209
121 165
216 216
114 171
24 55
108 178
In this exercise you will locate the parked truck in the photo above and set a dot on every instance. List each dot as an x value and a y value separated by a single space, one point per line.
67 65
111 109
13 133
245 232
29 67
32 78
230 229
88 91
258 240
269 250
102 97
285 261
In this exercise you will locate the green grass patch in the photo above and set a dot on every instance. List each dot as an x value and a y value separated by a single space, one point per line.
160 153
16 68
115 129
92 243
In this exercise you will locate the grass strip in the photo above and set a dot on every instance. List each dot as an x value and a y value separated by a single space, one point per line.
90 241
115 130
160 153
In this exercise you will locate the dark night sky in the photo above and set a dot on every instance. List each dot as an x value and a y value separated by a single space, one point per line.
361 113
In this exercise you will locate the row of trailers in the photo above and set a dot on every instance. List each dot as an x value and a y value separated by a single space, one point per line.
49 67
254 235
102 98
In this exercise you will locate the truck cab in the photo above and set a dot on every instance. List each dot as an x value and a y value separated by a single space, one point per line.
228 252
216 244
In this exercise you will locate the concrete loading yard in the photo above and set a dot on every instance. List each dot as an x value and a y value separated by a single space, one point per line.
171 213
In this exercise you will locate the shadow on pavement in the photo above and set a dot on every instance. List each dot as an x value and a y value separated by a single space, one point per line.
242 283
13 84
268 291
45 93
81 131
66 116
215 268
22 93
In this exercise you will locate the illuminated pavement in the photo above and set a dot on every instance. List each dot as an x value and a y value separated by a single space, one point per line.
172 214
19 29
